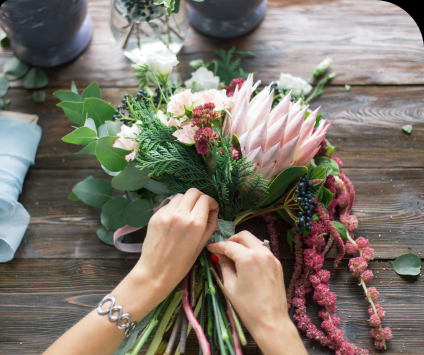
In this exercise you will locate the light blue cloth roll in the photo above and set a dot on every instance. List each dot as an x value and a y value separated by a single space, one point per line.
19 140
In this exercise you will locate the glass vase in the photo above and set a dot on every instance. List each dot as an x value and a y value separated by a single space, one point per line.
141 28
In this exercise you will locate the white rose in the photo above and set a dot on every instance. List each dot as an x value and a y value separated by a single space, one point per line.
161 63
295 83
186 134
177 102
218 97
203 79
166 120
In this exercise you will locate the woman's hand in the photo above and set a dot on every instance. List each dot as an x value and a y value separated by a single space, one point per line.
175 237
253 281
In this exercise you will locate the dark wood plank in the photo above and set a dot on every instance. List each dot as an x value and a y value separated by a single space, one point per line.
41 299
389 205
367 123
371 43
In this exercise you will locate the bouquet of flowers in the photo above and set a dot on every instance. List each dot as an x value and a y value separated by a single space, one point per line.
258 151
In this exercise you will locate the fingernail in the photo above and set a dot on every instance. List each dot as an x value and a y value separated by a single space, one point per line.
215 258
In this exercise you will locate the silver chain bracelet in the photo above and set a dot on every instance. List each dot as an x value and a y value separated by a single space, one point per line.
128 325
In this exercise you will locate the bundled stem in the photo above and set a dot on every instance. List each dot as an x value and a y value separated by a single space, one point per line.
174 333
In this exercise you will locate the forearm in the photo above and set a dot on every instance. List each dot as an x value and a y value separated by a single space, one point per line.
282 339
96 334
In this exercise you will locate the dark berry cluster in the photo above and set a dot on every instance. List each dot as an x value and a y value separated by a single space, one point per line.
144 8
304 192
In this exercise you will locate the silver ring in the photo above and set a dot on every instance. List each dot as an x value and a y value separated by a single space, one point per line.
265 243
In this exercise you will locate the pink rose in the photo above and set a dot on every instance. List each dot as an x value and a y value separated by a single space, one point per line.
126 142
186 134
218 97
178 101
131 156
166 120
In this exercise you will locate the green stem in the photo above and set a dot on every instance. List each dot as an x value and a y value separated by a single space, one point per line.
158 85
202 312
128 195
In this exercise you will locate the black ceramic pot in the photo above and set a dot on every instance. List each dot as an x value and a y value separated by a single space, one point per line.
226 18
46 33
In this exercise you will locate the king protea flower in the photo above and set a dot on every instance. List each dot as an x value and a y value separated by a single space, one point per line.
273 140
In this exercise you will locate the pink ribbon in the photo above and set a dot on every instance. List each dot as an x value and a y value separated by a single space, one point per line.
133 247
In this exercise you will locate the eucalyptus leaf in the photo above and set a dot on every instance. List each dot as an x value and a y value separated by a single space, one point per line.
81 136
36 79
113 128
290 237
39 96
88 149
102 131
73 111
93 192
138 213
73 197
105 235
279 185
157 187
100 111
90 124
131 178
341 229
335 170
113 213
15 69
111 158
4 85
63 95
407 128
91 91
74 88
110 173
407 264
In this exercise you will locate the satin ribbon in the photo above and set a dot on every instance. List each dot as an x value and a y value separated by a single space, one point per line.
19 139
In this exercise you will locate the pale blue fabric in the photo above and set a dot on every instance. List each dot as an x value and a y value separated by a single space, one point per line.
19 140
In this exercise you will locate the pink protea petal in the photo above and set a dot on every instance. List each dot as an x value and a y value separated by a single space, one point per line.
275 133
255 158
234 99
268 171
257 101
271 155
226 127
294 110
244 93
244 141
239 125
280 110
262 113
309 147
295 125
285 157
306 161
258 137
308 127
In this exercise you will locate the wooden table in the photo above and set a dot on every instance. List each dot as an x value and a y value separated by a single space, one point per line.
61 269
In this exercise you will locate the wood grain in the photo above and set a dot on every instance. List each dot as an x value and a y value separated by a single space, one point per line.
51 295
371 42
367 123
389 204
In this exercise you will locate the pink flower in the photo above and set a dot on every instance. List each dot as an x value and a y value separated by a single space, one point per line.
179 101
203 137
204 115
357 266
380 311
373 294
218 97
131 156
234 152
343 200
367 277
351 248
362 242
368 253
313 260
324 276
235 84
170 122
126 140
374 321
186 134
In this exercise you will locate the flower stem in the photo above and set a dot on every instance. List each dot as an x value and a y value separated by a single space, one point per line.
158 85
202 312
174 332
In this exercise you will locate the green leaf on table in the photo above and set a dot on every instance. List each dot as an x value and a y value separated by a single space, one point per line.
279 185
72 110
105 235
73 197
74 88
4 85
407 128
138 213
113 213
340 229
100 111
157 187
39 96
112 159
15 69
91 91
330 148
407 264
90 124
81 136
93 192
335 170
131 178
282 214
325 196
88 149
347 87
36 79
64 95
1 104
290 237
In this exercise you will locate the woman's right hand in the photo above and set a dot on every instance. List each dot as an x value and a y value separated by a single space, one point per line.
253 281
